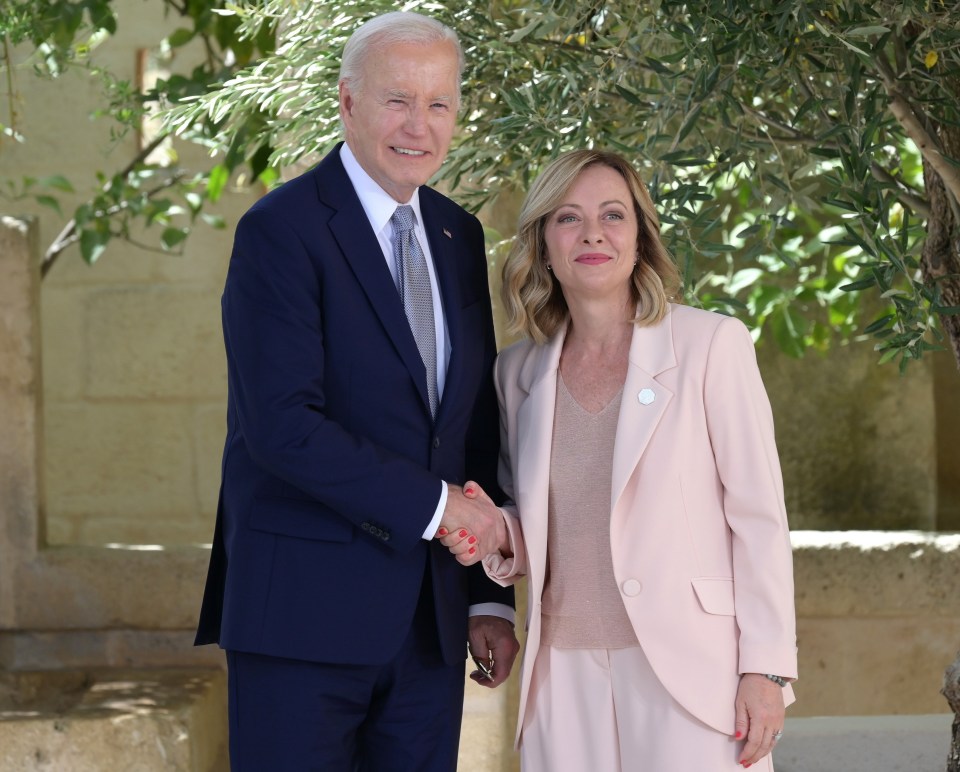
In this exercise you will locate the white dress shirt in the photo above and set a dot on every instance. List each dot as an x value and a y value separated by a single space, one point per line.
379 207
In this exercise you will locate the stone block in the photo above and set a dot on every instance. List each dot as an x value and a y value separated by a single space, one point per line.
137 721
146 587
873 666
64 349
856 441
78 651
876 573
154 342
123 461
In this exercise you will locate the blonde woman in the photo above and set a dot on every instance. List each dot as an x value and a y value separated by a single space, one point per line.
637 447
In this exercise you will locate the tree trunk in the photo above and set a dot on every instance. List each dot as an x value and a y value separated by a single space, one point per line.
951 690
940 261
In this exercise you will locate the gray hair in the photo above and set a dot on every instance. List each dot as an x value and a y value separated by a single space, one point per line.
396 27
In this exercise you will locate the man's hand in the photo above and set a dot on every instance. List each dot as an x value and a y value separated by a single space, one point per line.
472 526
492 637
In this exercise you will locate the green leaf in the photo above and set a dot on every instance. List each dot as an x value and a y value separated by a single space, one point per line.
689 122
866 32
92 244
213 220
57 181
180 37
861 284
787 326
219 176
51 203
879 324
173 236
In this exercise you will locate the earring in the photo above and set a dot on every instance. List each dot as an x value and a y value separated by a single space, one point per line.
549 267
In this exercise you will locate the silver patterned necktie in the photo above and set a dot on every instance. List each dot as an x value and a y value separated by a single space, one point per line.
413 283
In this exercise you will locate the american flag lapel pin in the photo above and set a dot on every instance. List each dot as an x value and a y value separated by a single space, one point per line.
447 233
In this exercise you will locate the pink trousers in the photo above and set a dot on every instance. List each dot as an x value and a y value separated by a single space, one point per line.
604 710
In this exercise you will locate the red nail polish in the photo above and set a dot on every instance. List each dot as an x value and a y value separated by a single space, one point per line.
462 534
472 540
443 532
738 735
468 491
472 550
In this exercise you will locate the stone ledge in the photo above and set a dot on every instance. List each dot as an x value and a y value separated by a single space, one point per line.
838 574
864 744
131 720
27 650
876 573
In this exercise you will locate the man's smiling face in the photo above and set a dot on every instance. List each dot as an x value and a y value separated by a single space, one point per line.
400 122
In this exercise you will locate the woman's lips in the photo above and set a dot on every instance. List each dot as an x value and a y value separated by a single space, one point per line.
593 259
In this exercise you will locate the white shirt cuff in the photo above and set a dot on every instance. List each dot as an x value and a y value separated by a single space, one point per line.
431 530
493 610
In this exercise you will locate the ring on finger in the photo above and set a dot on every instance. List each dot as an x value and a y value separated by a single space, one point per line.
777 735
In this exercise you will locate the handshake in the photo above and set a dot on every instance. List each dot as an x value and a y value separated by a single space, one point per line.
472 526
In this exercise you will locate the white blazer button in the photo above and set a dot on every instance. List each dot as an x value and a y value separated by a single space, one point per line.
646 396
632 587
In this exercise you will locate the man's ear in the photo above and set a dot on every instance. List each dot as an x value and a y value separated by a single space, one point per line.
346 99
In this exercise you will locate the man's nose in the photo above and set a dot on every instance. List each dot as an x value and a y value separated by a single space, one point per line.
416 122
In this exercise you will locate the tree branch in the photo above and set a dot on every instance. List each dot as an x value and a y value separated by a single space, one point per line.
907 116
907 195
68 234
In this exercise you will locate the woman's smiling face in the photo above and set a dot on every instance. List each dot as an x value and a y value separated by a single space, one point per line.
591 238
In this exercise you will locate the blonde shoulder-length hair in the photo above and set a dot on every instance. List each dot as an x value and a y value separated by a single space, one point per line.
532 297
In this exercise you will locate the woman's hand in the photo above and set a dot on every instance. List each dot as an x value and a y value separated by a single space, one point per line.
461 541
760 714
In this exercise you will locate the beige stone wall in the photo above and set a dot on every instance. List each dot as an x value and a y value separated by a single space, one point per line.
133 362
857 441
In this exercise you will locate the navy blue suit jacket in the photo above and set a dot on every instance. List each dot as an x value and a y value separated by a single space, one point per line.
333 464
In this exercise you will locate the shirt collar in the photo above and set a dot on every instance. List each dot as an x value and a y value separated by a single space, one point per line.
378 205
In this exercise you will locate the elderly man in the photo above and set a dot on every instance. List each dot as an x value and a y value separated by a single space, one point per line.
359 342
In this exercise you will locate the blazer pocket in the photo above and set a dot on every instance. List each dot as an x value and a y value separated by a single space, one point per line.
715 594
299 518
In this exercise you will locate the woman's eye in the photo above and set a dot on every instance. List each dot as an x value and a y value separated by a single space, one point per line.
614 216
566 218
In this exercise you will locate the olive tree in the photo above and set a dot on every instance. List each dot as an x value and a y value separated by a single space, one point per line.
803 154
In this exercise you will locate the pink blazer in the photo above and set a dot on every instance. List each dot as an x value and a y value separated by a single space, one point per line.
701 550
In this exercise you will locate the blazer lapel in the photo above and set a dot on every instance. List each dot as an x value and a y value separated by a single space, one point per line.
538 377
644 399
361 249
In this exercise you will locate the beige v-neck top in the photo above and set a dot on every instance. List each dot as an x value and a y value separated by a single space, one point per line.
581 605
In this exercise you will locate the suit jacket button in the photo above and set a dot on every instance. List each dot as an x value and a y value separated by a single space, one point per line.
632 587
436 443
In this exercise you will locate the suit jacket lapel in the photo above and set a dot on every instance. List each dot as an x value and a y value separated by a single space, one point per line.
361 249
644 399
445 244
